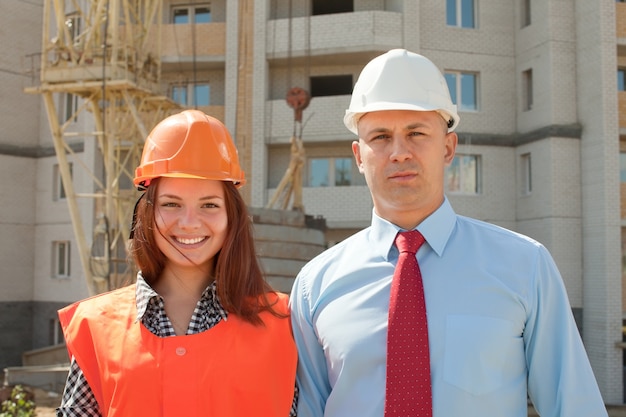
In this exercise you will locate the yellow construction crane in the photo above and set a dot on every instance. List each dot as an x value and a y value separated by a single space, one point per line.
289 190
106 52
288 193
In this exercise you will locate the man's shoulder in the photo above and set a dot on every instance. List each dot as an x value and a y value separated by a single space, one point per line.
487 230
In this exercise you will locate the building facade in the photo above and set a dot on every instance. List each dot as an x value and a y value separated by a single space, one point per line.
539 139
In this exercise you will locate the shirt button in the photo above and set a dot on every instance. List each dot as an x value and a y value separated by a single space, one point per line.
180 351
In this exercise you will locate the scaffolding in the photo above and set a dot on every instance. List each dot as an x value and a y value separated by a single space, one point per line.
107 53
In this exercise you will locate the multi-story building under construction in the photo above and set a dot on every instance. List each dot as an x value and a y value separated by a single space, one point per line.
540 87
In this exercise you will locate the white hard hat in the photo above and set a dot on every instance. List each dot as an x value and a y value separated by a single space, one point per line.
400 80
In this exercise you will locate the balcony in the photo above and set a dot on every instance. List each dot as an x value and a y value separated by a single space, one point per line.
177 49
621 100
323 120
341 207
620 20
334 38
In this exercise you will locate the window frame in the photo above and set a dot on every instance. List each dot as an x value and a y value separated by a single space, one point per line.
58 189
324 7
61 259
331 171
55 332
526 13
526 178
456 92
191 13
125 167
527 90
72 23
190 93
462 167
459 14
621 77
331 85
68 108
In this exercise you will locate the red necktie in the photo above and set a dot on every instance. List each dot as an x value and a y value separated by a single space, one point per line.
408 390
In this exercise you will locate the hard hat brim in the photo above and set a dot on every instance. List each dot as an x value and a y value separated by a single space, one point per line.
351 119
143 182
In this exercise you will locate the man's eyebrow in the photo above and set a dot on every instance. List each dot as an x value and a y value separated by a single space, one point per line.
416 125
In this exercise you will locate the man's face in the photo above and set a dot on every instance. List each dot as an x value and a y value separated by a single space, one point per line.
403 154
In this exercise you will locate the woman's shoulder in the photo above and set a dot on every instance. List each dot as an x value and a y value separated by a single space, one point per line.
278 301
95 304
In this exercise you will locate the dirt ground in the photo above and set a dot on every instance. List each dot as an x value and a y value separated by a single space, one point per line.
45 412
46 403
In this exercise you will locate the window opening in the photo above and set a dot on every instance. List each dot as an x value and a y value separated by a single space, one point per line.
463 175
61 259
527 88
463 89
526 174
332 6
461 13
331 85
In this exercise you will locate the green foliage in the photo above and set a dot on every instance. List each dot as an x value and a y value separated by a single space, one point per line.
19 404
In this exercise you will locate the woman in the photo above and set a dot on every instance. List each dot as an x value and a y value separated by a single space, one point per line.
200 333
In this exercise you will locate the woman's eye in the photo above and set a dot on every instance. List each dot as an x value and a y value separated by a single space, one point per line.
210 205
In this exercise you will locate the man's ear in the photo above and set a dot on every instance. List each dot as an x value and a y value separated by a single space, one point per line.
356 150
450 145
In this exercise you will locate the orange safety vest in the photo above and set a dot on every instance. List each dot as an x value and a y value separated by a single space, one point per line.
234 369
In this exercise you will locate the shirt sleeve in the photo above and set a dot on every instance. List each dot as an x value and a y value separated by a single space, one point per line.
312 376
560 379
78 398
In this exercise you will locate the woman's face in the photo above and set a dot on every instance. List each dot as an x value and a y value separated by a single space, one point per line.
191 221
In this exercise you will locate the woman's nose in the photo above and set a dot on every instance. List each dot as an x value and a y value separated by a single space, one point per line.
189 218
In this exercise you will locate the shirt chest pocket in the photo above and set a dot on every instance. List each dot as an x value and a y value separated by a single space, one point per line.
481 353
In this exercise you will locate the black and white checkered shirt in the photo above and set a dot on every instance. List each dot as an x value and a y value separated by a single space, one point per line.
78 398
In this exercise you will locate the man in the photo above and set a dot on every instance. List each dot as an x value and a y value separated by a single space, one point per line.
500 327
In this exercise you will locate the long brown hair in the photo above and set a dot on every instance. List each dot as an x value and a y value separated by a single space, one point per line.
241 287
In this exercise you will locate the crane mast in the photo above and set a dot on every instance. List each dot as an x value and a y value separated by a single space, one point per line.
107 54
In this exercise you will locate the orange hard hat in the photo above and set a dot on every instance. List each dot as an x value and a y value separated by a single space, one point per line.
189 144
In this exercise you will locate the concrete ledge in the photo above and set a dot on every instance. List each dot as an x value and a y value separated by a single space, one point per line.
291 250
281 267
281 284
279 217
288 234
45 356
46 377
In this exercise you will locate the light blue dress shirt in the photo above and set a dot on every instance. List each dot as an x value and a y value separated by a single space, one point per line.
500 325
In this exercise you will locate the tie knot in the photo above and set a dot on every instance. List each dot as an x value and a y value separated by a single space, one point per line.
409 241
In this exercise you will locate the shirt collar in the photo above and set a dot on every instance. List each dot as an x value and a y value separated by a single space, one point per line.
436 229
144 293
